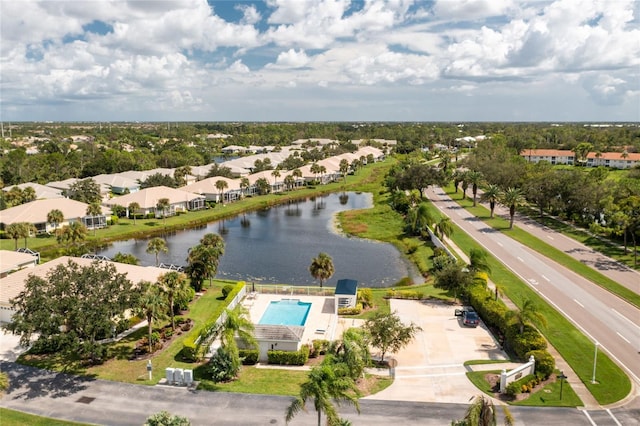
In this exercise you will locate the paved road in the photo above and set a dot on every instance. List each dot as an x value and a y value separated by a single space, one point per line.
110 403
602 316
607 266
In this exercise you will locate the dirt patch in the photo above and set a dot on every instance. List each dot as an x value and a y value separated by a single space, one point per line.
494 381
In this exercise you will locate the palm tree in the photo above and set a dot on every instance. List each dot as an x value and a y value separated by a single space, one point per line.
237 323
180 175
221 185
174 285
322 170
321 267
26 229
324 386
344 168
163 204
478 261
289 182
276 174
94 210
418 218
464 178
444 228
133 208
297 174
263 186
55 217
204 259
152 306
482 412
492 194
244 185
13 232
512 198
353 351
474 178
157 245
526 313
72 234
315 169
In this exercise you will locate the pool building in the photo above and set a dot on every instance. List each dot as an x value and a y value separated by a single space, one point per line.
285 323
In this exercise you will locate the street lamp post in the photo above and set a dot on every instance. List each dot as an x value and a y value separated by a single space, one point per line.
595 362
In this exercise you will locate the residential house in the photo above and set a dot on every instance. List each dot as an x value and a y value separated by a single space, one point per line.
147 199
116 184
207 188
42 191
11 261
35 212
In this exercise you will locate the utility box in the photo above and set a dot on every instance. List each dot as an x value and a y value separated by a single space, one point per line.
169 374
188 377
178 376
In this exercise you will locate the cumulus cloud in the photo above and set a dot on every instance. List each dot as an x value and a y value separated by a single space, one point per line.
136 53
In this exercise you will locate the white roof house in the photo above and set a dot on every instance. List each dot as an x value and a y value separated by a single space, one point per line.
42 191
13 284
148 198
207 188
12 261
35 212
62 185
116 183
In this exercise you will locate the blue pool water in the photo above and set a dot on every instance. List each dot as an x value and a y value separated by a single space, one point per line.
286 312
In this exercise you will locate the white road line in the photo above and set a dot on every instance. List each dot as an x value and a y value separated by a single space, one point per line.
418 367
625 318
623 338
546 279
410 376
520 259
589 417
581 305
499 243
550 237
613 417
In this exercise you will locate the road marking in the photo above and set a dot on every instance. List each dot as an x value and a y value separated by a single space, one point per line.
532 281
550 237
625 318
546 279
411 376
589 417
623 338
520 259
581 305
499 243
613 417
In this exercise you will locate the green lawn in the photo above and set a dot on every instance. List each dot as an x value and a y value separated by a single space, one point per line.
548 396
18 418
572 345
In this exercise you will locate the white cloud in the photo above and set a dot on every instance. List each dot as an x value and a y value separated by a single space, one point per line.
391 54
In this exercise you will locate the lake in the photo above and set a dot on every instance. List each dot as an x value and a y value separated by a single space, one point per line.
277 244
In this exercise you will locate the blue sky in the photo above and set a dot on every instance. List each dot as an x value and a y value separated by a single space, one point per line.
320 60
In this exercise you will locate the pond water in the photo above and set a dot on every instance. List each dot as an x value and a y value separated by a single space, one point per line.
276 245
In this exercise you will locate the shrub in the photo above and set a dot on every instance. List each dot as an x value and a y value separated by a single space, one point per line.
289 357
355 310
223 366
150 216
513 389
318 347
529 340
249 356
404 282
441 262
226 290
365 297
545 364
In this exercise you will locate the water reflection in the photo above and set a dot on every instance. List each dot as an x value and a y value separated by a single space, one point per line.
276 245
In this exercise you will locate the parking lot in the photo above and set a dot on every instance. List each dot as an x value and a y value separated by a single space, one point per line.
431 368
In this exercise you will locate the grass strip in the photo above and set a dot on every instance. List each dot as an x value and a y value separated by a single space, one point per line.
18 418
573 346
547 250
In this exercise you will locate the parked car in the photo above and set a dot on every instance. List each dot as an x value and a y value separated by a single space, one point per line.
469 316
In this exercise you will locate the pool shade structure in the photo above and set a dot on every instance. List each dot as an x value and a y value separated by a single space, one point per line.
346 293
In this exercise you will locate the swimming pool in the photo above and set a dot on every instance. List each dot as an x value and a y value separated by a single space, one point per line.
286 312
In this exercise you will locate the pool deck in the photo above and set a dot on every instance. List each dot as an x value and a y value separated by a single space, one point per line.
321 322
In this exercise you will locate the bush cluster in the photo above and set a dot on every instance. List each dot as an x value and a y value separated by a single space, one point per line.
289 357
318 347
249 356
191 344
356 310
404 294
545 364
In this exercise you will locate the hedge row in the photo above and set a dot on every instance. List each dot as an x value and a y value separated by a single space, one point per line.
289 358
191 345
496 315
249 356
356 310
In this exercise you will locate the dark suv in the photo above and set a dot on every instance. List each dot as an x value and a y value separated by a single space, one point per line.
469 316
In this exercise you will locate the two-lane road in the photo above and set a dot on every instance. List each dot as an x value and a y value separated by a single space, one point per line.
602 316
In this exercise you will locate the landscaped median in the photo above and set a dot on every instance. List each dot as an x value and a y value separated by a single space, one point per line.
573 346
